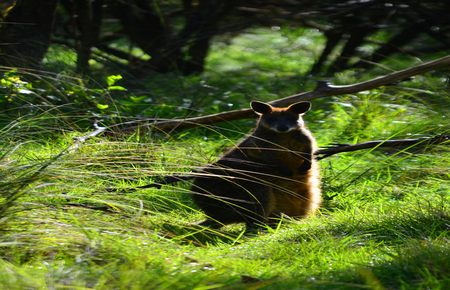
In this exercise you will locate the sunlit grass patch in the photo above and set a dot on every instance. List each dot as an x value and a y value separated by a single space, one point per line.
99 237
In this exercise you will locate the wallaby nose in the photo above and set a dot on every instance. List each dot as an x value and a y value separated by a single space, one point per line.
282 128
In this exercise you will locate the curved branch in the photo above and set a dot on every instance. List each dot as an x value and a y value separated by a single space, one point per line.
323 89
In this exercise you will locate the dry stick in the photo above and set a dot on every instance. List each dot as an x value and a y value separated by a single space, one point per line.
320 154
80 140
323 89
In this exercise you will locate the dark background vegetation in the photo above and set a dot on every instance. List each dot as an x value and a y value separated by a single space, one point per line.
175 36
143 40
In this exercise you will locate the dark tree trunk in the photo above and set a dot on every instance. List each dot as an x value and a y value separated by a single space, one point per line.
145 27
89 18
394 45
25 33
356 39
333 37
197 54
185 51
201 26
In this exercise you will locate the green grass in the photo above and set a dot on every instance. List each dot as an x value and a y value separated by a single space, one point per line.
384 223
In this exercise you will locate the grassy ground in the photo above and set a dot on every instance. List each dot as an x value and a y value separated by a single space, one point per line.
383 225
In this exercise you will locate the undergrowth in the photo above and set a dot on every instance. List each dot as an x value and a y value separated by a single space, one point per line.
383 224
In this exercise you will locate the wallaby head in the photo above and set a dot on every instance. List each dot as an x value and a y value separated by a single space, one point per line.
280 120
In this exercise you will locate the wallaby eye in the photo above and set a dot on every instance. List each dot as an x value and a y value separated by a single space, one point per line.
292 119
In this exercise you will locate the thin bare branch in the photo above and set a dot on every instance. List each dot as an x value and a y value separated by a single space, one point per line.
323 89
80 140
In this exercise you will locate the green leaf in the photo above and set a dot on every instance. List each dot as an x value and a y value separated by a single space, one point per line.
102 107
112 79
138 99
116 88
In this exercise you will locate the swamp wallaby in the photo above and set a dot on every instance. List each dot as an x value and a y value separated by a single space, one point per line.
270 173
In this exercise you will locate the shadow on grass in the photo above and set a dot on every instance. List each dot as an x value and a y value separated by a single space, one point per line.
417 265
420 264
201 236
392 228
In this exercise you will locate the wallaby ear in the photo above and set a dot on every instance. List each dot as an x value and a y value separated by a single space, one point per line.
300 107
260 107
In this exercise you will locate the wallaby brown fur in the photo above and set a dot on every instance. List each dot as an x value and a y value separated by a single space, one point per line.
270 173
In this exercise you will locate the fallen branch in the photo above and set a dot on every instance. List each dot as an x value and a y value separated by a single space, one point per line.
323 89
393 144
320 154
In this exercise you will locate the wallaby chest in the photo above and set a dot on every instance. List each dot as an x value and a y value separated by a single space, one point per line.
289 150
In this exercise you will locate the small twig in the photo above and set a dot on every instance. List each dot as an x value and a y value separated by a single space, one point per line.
80 140
163 180
104 208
